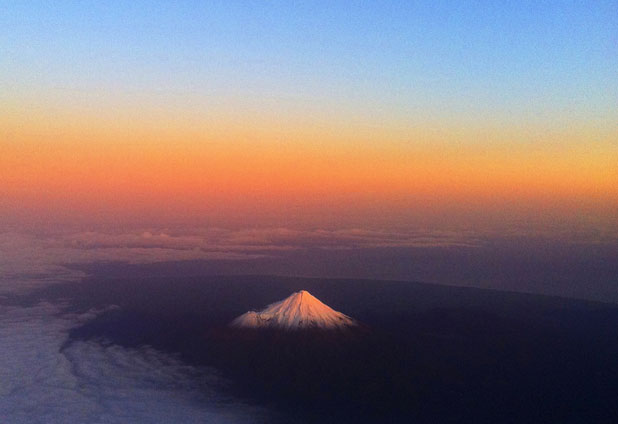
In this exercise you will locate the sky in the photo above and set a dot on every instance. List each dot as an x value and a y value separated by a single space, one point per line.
335 115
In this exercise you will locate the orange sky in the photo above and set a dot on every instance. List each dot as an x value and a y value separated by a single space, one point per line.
258 170
412 114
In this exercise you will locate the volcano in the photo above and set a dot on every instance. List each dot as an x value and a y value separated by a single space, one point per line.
299 311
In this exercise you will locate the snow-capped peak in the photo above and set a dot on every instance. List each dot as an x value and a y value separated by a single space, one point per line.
300 310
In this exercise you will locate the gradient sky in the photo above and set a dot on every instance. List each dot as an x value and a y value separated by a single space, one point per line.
315 114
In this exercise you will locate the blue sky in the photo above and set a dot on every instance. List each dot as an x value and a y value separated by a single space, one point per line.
458 59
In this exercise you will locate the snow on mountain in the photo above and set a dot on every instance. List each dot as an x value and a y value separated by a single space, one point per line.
300 310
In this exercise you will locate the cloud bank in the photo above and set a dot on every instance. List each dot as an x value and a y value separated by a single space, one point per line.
93 383
29 260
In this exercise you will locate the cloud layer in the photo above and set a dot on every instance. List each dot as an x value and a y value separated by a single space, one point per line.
93 383
28 260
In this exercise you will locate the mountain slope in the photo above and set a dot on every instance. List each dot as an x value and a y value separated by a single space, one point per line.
300 310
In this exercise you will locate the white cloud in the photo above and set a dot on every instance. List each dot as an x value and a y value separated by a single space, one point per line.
90 383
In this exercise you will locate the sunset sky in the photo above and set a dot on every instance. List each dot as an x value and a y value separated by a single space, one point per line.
309 114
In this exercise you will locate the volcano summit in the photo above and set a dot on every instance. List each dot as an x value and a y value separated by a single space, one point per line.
299 311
